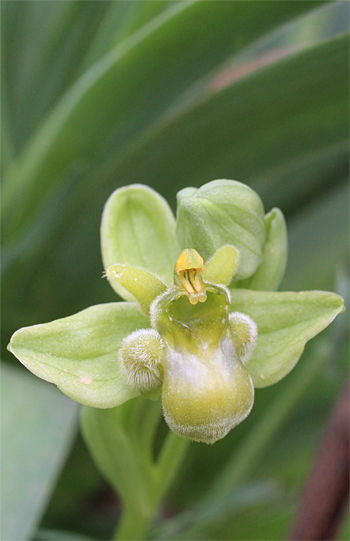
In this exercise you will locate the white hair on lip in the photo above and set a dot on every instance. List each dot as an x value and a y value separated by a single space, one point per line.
245 333
141 354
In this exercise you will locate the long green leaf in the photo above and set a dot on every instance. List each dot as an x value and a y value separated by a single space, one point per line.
86 127
114 454
38 424
44 44
121 20
259 124
44 534
319 240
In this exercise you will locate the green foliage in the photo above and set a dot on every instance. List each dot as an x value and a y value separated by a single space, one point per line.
173 94
37 426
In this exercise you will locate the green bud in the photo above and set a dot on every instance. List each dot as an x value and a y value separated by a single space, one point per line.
223 212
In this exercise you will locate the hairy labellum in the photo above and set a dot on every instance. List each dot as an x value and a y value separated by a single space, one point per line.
196 350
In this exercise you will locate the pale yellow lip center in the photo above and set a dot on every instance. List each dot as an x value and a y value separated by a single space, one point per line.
188 267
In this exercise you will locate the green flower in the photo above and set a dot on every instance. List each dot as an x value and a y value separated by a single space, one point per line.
202 325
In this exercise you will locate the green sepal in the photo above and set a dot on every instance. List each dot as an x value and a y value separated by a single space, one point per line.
142 285
138 229
219 213
271 271
222 266
286 321
80 353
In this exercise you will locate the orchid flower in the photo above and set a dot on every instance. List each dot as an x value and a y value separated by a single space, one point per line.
201 324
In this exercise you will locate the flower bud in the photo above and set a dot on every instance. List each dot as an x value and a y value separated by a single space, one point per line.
219 213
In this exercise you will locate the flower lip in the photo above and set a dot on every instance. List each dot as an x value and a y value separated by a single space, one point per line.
186 326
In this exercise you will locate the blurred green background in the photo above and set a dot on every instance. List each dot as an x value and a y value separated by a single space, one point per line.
101 94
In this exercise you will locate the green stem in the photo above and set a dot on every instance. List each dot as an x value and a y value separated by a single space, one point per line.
170 459
133 523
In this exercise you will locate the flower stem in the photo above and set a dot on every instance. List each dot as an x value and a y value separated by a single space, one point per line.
134 524
170 459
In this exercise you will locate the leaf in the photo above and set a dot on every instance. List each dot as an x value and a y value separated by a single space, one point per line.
38 424
121 20
319 240
87 128
191 523
45 534
180 148
43 47
262 123
142 285
286 321
80 353
138 229
222 266
223 212
272 268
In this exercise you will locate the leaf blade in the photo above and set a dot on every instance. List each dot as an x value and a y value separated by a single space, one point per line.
38 425
76 131
256 132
